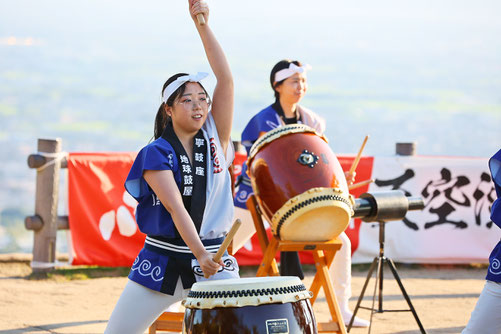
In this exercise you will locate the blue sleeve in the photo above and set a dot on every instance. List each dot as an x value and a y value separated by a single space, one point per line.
263 121
250 133
158 155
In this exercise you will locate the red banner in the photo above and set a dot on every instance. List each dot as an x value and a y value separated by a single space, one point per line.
101 212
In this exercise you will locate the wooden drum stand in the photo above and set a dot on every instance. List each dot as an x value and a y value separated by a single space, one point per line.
323 253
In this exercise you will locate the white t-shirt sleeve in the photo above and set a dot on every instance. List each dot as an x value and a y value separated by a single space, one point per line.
218 213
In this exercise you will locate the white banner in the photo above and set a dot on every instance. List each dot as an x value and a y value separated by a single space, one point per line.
455 225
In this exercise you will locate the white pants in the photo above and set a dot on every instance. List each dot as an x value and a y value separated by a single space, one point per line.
138 307
486 317
340 271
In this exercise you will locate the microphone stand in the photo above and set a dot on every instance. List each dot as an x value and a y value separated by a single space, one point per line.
383 207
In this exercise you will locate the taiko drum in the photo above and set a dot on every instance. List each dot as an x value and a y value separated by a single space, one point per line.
274 305
299 184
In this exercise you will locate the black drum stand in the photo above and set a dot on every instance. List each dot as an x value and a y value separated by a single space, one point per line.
382 207
378 264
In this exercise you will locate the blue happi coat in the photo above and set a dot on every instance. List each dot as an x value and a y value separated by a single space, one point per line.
494 270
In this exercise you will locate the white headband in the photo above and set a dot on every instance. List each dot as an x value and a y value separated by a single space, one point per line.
173 86
288 72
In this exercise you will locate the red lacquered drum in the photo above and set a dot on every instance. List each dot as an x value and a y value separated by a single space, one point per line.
271 305
299 184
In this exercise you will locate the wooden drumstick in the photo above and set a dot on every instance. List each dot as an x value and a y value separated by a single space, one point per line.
359 155
226 242
360 184
201 19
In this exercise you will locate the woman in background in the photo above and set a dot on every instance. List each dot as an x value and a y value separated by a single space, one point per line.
288 81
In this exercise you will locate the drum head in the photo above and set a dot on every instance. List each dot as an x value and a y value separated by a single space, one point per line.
319 214
299 184
246 291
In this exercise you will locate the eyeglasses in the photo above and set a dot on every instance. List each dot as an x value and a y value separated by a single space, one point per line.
190 103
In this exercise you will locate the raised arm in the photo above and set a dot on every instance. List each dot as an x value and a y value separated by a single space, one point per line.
163 184
222 101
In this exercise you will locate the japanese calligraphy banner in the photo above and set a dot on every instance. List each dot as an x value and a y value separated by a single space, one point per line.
454 227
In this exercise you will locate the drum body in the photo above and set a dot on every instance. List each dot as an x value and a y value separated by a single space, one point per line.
272 305
299 184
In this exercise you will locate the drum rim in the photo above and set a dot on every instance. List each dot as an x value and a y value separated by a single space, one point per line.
285 290
279 132
296 204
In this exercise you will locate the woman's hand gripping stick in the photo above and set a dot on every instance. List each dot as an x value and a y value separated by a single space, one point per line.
226 242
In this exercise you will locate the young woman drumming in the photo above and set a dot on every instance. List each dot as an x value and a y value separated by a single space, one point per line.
183 187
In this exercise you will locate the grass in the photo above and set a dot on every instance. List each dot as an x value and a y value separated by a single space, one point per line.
80 273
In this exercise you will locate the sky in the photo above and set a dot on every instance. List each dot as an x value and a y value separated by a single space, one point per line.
423 71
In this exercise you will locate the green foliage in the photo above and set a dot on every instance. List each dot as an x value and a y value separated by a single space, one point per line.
81 273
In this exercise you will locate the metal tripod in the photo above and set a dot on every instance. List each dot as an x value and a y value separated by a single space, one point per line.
377 264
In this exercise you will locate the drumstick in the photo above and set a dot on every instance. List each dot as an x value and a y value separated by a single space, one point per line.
226 242
201 19
357 159
360 184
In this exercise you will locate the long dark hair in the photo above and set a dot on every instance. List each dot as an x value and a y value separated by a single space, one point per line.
280 66
161 119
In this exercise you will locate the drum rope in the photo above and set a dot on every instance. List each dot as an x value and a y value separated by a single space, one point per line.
247 293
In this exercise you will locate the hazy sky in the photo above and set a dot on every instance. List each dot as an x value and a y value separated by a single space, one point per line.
375 63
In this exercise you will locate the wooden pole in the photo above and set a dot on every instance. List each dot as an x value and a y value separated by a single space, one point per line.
46 199
35 223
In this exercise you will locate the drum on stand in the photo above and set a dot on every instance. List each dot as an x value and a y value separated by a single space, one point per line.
272 305
299 184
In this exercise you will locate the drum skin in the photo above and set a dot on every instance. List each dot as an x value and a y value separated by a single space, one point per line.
251 319
277 176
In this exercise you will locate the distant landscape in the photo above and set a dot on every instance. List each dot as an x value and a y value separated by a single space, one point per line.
91 73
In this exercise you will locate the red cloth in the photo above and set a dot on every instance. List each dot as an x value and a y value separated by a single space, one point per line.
95 188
